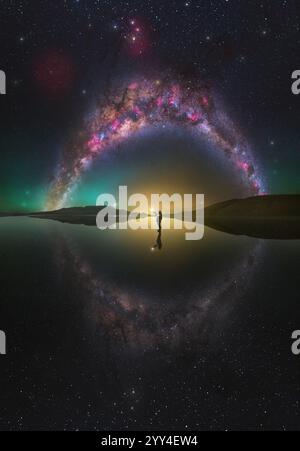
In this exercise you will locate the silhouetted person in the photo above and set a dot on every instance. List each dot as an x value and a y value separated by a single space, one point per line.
159 219
158 244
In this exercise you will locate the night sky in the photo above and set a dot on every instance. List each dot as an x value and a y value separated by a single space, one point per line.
59 58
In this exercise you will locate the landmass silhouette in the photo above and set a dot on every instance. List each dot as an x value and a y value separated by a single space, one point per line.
265 217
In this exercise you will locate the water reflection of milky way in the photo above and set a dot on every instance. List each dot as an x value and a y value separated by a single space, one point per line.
141 318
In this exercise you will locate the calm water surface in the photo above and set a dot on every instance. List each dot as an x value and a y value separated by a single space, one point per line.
105 332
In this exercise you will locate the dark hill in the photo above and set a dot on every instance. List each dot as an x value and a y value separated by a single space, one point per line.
267 217
281 206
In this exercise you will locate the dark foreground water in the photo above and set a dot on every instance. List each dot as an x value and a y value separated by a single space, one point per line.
106 331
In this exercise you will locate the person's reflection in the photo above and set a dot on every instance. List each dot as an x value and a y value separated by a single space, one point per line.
158 244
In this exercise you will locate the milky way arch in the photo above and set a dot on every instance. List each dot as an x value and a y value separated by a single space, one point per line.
142 104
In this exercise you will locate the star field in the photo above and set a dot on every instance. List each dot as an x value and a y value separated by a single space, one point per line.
247 52
103 333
